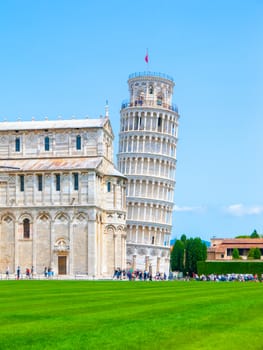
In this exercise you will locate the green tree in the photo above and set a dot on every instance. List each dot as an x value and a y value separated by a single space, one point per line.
177 256
254 234
254 253
195 251
257 253
251 253
235 254
183 239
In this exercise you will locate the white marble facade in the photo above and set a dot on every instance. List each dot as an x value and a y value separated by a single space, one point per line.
62 202
147 157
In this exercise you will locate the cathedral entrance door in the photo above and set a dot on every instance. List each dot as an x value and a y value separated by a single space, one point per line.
62 265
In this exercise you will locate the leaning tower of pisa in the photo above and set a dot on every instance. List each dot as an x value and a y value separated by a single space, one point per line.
147 157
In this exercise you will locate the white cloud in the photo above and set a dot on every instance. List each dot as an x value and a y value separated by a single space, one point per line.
188 209
241 210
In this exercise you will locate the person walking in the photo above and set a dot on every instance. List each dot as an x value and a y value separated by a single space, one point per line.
7 273
18 272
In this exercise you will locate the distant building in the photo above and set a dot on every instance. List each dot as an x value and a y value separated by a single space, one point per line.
62 202
147 157
222 248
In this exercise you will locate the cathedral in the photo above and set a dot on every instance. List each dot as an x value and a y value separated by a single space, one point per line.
65 207
62 201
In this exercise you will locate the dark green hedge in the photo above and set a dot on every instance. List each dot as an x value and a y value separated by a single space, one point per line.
224 267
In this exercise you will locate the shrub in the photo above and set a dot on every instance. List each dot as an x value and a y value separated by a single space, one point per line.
224 267
257 253
235 254
254 253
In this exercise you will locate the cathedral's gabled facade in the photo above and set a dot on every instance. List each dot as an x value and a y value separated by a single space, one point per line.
62 202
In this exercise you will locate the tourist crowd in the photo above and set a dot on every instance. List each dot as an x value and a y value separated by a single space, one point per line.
138 275
229 277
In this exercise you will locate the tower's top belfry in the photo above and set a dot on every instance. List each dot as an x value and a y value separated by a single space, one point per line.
150 89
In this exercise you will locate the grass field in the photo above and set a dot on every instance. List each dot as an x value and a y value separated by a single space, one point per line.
131 315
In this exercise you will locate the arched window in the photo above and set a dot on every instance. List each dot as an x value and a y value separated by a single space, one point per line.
136 122
140 98
159 124
152 239
26 228
57 179
47 143
150 89
75 181
17 144
22 183
40 182
108 186
78 142
159 100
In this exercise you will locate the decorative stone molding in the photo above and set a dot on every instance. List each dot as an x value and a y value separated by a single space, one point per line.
61 217
8 219
61 246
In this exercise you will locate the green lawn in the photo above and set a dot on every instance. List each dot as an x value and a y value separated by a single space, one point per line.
131 315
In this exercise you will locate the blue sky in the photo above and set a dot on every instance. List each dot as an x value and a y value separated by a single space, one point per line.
64 58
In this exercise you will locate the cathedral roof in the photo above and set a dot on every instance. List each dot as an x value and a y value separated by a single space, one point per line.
40 164
57 164
53 124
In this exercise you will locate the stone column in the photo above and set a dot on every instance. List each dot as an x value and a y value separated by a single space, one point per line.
143 232
34 245
136 165
117 250
92 249
123 251
143 144
132 144
149 235
70 187
133 119
71 245
151 213
140 189
151 122
134 262
101 247
154 166
147 186
52 262
129 171
147 263
155 235
145 211
161 145
158 189
136 232
91 188
132 209
162 129
147 166
23 142
158 264
16 245
70 144
50 181
63 180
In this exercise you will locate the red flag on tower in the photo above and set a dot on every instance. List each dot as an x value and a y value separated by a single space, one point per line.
146 58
